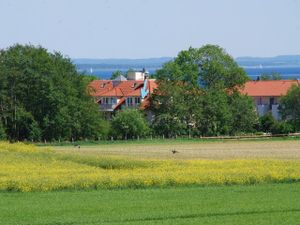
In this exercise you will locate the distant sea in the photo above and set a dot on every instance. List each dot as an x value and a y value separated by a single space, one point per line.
253 72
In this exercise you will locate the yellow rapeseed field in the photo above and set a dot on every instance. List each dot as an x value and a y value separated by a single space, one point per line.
27 168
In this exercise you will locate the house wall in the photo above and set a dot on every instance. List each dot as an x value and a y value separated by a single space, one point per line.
134 75
267 104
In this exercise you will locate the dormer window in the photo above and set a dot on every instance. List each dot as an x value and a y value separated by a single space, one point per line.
134 85
103 85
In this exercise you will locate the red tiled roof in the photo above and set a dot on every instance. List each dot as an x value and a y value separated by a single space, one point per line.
268 88
127 88
152 85
124 88
98 87
114 92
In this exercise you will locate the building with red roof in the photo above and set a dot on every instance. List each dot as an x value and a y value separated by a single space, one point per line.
131 92
266 94
134 92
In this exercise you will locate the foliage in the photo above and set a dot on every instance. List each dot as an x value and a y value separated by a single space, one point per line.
282 127
195 94
129 123
209 65
244 116
26 168
266 122
43 97
216 117
2 132
270 125
290 106
170 109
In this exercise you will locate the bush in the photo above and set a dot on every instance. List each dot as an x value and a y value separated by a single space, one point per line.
282 127
129 123
270 125
266 123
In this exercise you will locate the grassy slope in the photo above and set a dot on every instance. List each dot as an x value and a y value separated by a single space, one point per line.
233 205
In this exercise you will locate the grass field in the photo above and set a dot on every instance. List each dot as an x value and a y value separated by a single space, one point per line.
268 204
27 168
138 183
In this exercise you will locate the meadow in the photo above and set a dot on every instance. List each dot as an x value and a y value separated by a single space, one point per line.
28 168
223 182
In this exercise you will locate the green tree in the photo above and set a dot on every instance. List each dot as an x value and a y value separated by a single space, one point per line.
129 123
193 93
290 106
209 66
244 116
216 117
43 97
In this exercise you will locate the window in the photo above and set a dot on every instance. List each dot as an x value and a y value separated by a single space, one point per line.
113 100
129 101
106 100
137 100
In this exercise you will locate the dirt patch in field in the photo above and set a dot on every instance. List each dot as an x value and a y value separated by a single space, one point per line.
206 150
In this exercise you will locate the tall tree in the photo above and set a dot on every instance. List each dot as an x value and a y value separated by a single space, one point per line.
208 66
43 97
244 116
194 93
290 106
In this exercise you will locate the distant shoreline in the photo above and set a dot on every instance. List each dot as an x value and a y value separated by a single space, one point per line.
252 72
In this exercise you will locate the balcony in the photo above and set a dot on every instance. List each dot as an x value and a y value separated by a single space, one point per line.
262 109
107 107
275 112
266 108
131 105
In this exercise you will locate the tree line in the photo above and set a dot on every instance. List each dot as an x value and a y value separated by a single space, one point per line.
198 95
43 97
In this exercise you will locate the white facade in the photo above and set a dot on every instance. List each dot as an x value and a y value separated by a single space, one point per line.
135 75
266 105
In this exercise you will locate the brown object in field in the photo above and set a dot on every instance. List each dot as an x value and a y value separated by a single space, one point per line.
174 151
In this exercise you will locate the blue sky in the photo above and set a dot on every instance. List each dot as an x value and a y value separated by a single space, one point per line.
152 28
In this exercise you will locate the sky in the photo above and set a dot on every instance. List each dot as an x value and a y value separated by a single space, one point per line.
152 28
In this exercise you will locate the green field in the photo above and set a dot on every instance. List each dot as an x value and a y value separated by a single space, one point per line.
228 205
60 183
